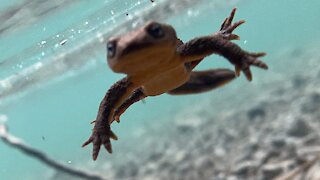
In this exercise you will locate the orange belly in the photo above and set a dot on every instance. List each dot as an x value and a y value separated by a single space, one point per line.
166 81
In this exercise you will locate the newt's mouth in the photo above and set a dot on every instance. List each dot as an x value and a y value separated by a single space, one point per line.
135 47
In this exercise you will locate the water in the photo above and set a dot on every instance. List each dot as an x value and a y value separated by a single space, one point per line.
53 71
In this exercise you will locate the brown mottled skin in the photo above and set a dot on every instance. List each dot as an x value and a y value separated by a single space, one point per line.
156 62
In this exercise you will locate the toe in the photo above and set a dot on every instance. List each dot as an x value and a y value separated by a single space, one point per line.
258 54
247 73
233 12
108 147
233 37
96 148
87 142
234 26
113 136
258 63
237 70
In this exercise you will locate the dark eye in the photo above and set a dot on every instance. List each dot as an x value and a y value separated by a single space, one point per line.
111 48
155 30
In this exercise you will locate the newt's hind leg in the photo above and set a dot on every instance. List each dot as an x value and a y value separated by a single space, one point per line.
136 96
202 81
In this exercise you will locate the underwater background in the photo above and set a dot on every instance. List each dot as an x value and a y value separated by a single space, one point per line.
53 75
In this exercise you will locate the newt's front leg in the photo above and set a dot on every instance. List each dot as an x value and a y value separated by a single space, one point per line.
102 132
219 43
215 44
225 32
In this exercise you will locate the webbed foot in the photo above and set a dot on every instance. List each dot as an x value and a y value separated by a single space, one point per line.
98 139
227 27
249 59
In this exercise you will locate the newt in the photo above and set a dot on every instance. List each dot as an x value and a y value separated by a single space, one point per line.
155 61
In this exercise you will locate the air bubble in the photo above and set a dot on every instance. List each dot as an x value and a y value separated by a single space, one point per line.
20 66
100 37
63 42
3 118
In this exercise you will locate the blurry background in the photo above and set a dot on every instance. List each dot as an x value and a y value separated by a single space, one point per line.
53 75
